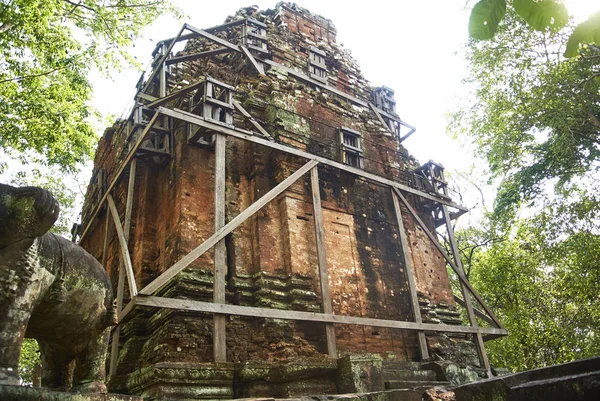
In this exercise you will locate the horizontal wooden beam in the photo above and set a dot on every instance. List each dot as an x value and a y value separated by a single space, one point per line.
172 271
145 96
195 56
241 134
118 175
226 309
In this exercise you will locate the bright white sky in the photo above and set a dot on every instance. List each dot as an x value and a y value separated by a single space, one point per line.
414 47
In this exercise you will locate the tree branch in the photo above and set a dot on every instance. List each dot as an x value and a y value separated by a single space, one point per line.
34 75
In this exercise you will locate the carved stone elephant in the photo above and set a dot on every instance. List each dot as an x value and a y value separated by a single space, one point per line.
51 290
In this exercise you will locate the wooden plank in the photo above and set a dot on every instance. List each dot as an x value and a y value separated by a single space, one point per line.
143 96
251 311
241 134
478 313
466 296
118 174
460 275
195 56
114 351
220 270
172 271
175 95
214 38
410 277
257 66
252 120
322 260
124 249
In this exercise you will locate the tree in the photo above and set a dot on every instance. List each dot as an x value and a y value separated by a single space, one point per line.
536 115
534 119
47 48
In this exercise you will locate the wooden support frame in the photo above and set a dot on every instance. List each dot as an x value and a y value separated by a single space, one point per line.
124 249
175 95
218 307
248 136
466 295
458 272
251 311
220 269
214 38
238 106
172 271
114 351
322 260
410 277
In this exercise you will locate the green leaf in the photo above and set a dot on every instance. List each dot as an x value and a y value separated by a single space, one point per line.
586 32
542 14
485 17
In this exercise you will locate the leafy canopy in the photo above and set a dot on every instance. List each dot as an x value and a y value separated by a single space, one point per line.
536 115
540 15
47 48
534 118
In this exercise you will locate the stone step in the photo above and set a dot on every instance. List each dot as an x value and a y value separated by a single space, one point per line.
402 365
410 384
410 375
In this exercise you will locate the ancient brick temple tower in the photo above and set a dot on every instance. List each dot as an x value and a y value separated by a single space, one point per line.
265 229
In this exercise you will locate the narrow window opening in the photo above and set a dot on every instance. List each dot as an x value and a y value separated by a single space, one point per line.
351 147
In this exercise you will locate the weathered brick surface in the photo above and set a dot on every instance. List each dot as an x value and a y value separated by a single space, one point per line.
271 258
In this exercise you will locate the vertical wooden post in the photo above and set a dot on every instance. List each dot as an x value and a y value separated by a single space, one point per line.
322 260
466 295
219 340
410 275
105 245
114 351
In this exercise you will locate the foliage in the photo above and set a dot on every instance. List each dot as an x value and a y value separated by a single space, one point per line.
47 48
544 290
541 15
30 360
536 114
586 32
535 119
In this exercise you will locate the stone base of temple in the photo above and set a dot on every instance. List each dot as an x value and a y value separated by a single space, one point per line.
22 393
357 375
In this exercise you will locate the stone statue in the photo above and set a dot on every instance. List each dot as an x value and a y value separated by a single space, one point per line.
51 290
